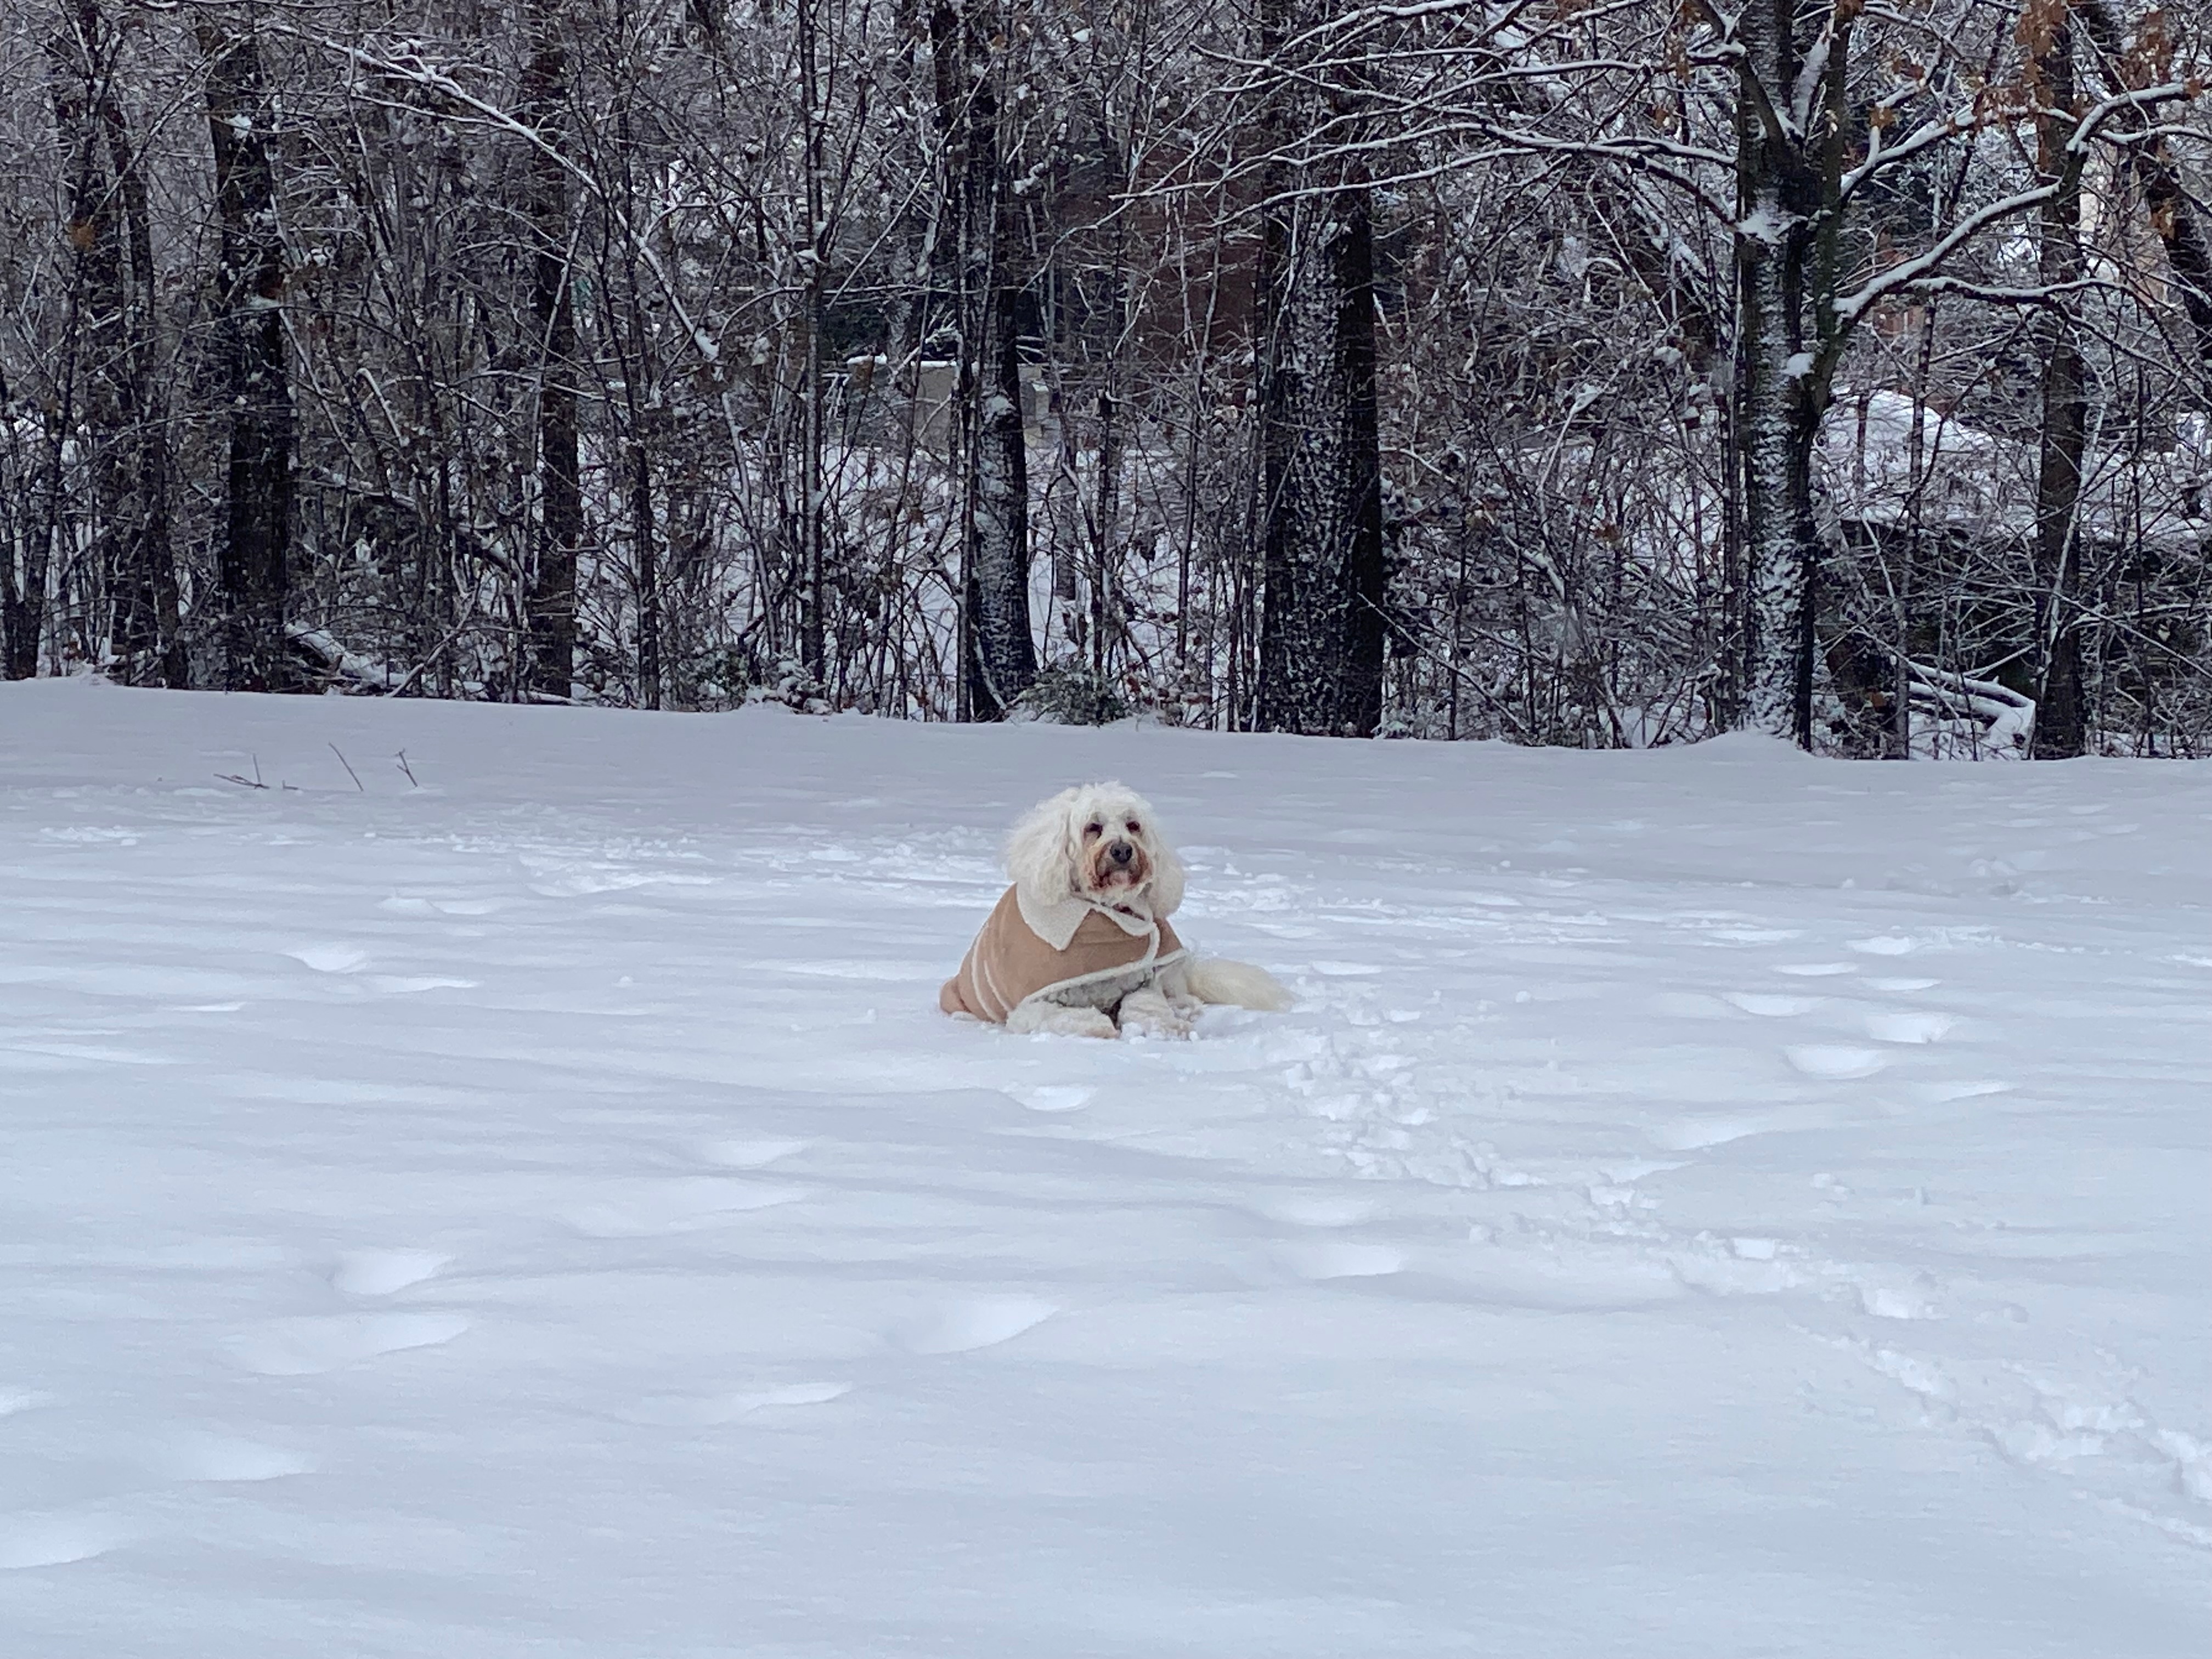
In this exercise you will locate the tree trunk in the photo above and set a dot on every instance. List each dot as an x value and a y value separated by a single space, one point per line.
86 407
147 644
813 644
1003 661
251 575
2061 719
2172 211
999 650
150 641
1786 343
550 603
1321 513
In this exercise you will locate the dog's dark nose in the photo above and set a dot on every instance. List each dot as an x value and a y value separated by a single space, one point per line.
1121 851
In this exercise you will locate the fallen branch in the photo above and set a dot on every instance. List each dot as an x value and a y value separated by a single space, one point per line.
2006 716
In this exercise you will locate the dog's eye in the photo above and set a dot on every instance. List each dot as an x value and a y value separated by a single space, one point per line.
1093 828
1134 829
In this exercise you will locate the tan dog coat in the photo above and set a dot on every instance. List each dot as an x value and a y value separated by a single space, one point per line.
1074 953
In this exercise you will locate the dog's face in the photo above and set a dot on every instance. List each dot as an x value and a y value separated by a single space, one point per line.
1110 857
1099 842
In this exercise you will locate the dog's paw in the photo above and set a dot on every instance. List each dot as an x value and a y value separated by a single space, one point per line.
1172 1030
1148 1014
1054 1021
1084 1022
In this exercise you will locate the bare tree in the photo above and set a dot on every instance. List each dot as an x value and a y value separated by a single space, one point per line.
1320 511
253 572
543 103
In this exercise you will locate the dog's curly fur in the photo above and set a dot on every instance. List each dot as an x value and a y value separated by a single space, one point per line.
1104 842
1064 847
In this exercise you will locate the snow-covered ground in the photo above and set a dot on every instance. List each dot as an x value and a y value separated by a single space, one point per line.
1706 1202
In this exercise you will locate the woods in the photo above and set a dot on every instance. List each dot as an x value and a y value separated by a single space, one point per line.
1603 373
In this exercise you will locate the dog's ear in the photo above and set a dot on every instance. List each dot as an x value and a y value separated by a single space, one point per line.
1167 871
1040 849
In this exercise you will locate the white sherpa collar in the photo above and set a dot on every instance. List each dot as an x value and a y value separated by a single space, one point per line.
1055 923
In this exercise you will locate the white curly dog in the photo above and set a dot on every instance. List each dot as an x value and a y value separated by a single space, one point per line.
1081 944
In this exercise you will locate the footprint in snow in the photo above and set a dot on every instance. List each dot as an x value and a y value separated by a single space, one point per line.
331 958
1687 1005
702 1411
1829 1060
983 1321
746 1154
381 1273
1749 1268
1326 1259
657 1209
1316 1210
1942 1094
1694 1134
223 1458
1891 1301
308 1346
1815 969
1771 1006
54 1540
1055 1097
1905 1026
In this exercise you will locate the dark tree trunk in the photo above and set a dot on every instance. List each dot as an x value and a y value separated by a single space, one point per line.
1321 513
2172 211
550 598
250 291
813 638
642 404
17 530
644 550
1106 619
2173 216
85 406
998 648
1004 663
146 640
2061 718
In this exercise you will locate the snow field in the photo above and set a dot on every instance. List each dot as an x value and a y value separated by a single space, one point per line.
1706 1202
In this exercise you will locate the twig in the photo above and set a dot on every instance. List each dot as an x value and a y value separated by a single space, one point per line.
253 782
351 773
407 769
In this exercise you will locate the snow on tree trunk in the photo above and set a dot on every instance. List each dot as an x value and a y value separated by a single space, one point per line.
1786 344
999 655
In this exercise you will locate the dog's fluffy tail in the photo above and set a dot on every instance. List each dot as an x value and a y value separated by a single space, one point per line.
1238 985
